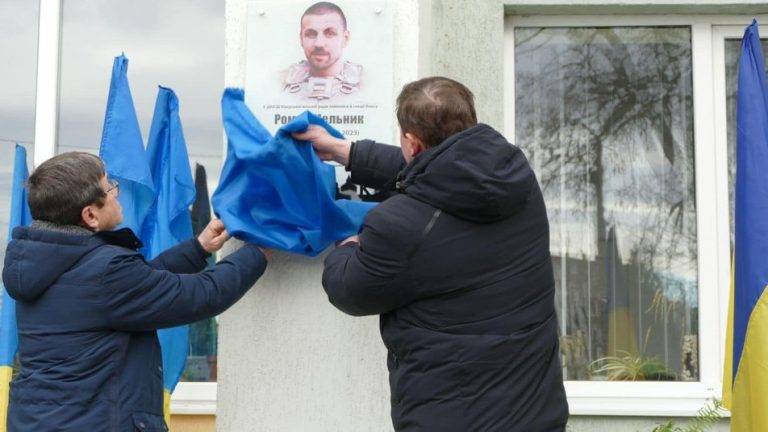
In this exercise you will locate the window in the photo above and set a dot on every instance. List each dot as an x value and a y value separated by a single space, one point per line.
181 46
18 43
626 123
605 116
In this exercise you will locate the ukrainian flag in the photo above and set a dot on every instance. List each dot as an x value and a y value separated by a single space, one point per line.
169 221
156 190
746 364
122 150
9 340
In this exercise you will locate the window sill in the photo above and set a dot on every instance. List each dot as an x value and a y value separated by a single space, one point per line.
598 398
194 398
664 399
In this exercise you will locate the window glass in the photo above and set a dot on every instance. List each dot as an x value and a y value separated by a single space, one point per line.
605 116
18 45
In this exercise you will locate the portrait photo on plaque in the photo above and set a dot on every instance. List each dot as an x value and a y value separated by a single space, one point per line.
331 58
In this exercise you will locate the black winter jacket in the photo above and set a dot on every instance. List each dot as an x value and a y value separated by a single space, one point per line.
458 266
87 310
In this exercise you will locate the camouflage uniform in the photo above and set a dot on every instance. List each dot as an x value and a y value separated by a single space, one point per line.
298 81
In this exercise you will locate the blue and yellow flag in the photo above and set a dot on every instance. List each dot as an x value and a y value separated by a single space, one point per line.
169 221
9 339
122 150
746 364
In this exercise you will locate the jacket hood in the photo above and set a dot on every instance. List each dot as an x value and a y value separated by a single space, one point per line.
36 258
476 175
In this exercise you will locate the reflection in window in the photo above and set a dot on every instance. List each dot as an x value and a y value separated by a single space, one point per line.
606 117
18 43
732 54
179 45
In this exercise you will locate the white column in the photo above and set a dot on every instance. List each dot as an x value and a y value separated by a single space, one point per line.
288 360
47 100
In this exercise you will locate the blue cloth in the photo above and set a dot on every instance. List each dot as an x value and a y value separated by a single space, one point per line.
122 149
20 216
275 191
87 310
169 222
751 212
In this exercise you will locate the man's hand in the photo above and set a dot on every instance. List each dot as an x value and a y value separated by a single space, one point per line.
267 253
327 146
352 239
213 236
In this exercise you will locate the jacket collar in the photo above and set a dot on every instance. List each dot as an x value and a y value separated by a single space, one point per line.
123 237
64 229
51 233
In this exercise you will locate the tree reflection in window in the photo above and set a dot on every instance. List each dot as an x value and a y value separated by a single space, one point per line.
606 117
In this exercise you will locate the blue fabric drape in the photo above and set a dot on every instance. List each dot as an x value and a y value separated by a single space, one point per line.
275 191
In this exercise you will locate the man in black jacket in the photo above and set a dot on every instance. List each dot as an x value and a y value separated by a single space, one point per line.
457 264
88 305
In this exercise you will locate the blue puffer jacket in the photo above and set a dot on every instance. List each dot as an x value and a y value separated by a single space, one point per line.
88 307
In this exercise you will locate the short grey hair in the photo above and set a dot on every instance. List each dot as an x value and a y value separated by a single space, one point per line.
62 186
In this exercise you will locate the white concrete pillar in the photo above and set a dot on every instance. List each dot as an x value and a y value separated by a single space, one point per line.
288 360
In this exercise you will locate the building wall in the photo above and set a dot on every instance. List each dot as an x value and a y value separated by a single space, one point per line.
473 58
288 359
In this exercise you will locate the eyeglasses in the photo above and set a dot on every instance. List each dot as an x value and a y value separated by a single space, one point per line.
114 186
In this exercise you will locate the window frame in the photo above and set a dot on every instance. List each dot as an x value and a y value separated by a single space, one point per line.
708 33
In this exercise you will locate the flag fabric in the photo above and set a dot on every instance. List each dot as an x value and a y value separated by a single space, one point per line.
201 207
201 212
202 334
158 215
746 364
9 340
122 149
621 324
169 221
275 191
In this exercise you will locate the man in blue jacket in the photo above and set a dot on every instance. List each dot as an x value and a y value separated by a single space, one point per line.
88 304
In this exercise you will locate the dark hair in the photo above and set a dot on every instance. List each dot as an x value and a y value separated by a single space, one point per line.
321 8
435 108
61 186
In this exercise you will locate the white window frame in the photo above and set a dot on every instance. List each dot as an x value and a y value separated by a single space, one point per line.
711 168
189 398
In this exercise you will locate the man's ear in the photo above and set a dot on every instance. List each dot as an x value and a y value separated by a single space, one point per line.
89 218
417 145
